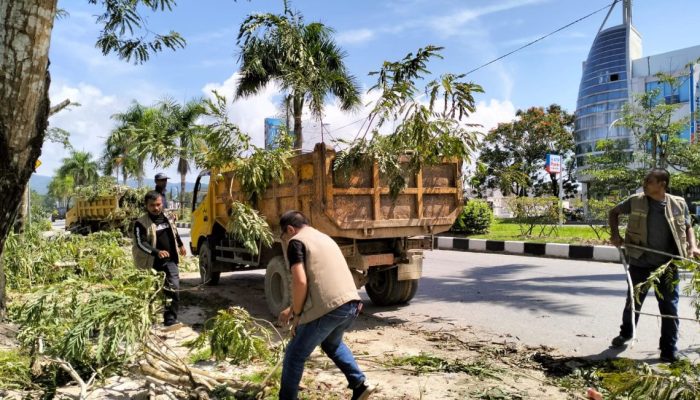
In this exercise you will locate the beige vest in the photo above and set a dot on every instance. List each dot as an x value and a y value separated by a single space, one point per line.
143 260
330 283
637 227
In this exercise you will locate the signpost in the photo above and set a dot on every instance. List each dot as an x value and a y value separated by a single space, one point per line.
553 166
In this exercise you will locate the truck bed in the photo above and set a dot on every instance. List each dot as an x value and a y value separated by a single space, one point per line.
359 207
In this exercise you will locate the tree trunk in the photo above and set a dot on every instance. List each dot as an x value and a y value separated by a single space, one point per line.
555 185
182 195
298 108
24 85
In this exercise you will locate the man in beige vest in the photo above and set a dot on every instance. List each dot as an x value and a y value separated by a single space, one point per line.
324 305
156 244
657 221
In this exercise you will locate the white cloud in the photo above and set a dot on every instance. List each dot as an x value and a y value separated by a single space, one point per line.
248 113
355 36
492 112
454 23
89 124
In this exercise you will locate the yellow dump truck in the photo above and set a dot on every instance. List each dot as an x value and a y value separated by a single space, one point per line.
92 215
382 238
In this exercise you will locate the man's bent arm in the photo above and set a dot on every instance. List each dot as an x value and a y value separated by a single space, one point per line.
692 243
299 288
139 236
614 222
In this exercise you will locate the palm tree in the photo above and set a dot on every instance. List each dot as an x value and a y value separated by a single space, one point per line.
61 189
81 167
303 58
122 146
181 124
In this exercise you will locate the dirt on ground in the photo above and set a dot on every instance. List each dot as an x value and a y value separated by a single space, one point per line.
418 359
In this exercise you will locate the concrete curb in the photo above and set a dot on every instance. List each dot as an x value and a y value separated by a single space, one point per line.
556 250
185 225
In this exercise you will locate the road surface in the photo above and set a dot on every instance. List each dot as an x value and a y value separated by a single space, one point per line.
574 306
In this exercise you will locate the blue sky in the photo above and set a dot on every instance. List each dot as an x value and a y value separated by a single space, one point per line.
473 32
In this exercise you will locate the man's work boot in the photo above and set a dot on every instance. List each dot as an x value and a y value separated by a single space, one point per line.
620 341
363 391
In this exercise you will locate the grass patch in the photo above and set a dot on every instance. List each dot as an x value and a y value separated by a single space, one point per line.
201 355
14 370
572 234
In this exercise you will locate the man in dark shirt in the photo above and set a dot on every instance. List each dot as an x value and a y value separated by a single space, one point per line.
157 245
661 222
161 187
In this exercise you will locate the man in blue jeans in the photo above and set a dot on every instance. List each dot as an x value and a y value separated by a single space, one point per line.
658 221
324 305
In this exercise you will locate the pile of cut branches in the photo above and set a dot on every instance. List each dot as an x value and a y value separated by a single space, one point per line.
85 313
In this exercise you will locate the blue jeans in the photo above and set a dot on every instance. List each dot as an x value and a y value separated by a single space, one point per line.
328 332
668 305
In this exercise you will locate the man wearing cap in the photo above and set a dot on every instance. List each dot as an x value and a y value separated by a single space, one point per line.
161 185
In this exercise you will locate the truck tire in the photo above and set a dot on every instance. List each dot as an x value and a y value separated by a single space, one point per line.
278 285
411 287
384 288
206 264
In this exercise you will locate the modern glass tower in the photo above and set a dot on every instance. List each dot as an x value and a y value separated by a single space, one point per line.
605 85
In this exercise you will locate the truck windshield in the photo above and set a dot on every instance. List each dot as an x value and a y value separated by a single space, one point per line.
200 190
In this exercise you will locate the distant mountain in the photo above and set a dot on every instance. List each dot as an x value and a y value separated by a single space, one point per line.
40 184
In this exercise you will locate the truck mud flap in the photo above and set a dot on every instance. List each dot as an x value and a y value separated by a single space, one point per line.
411 270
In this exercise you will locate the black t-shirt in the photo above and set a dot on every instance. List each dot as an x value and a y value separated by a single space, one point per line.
295 252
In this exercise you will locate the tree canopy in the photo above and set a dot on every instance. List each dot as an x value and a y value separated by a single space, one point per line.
513 154
302 58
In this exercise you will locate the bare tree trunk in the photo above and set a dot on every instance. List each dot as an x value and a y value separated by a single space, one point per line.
24 84
298 108
182 195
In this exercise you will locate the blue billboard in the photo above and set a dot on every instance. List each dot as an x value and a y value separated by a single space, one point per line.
273 127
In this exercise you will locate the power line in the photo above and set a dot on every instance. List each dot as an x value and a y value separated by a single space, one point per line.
542 37
345 126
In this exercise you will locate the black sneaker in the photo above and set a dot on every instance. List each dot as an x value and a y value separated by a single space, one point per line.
620 341
363 391
669 357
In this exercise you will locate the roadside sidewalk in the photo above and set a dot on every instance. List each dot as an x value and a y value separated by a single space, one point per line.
556 250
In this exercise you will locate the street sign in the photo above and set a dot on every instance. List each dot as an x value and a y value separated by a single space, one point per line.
553 163
37 163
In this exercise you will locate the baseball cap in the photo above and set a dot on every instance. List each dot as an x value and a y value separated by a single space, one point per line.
160 176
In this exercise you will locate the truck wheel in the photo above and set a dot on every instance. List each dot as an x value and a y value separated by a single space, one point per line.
384 288
206 264
411 287
278 285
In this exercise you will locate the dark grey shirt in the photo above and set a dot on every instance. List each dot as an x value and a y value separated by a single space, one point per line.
659 236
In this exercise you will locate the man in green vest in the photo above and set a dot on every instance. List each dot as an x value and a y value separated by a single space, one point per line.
156 244
324 305
657 221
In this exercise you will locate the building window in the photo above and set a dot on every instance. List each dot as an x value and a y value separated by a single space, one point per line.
614 77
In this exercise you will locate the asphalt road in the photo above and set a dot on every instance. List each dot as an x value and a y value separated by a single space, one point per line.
574 306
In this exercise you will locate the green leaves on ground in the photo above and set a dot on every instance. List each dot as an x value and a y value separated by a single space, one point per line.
429 363
234 334
629 380
80 299
14 369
